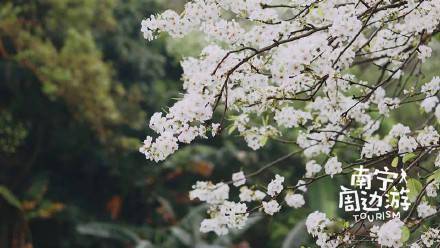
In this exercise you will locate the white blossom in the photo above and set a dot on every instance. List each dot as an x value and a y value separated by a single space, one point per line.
375 148
271 207
333 166
424 52
316 222
312 168
429 104
432 87
225 216
289 117
164 145
431 236
209 192
301 185
399 130
213 225
390 233
432 188
275 186
437 113
428 136
425 210
415 245
215 128
238 178
407 144
248 195
294 200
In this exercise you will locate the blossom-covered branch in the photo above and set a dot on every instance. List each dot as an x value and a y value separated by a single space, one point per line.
274 67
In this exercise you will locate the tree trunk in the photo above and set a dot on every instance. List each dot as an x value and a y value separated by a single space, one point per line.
14 231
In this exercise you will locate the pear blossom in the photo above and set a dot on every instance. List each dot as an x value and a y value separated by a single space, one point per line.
432 87
429 103
375 148
424 52
333 166
301 185
294 200
428 137
431 236
209 192
399 130
316 222
271 207
289 117
432 188
312 168
390 233
425 210
407 144
238 179
275 186
225 216
249 195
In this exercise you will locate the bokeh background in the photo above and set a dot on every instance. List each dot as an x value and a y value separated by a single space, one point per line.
77 86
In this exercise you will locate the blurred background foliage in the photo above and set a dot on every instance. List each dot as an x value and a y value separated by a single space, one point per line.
77 85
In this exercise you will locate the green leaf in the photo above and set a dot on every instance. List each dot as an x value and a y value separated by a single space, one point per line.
409 157
38 187
10 198
435 176
320 12
265 120
113 231
395 162
405 234
182 235
414 186
393 142
49 88
232 129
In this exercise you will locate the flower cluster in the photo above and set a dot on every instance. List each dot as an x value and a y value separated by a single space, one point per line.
275 186
424 210
318 226
428 238
389 234
333 166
